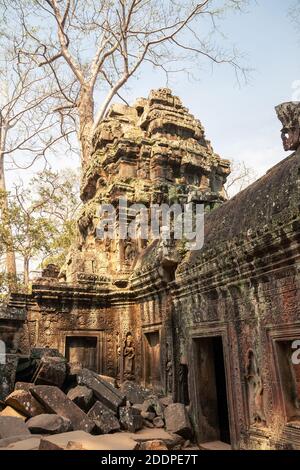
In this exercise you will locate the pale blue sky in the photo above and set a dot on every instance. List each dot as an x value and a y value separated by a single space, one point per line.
240 120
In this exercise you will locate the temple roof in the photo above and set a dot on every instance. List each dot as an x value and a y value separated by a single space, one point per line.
271 200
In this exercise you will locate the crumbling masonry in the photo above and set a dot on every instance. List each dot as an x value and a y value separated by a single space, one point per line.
215 327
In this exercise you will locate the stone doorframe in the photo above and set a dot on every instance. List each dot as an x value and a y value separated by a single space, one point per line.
283 332
152 329
209 331
85 333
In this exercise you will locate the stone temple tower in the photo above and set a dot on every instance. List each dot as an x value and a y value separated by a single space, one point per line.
153 152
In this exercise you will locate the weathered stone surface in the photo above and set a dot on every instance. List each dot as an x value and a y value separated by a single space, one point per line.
104 418
46 444
48 424
111 380
55 401
148 415
23 386
158 422
154 434
40 353
289 115
7 376
25 403
103 391
9 411
153 445
148 424
165 401
82 396
117 441
74 446
14 439
139 407
177 420
156 152
134 392
11 426
152 404
51 371
32 443
130 418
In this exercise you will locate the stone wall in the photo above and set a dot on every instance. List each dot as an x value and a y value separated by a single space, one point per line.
212 327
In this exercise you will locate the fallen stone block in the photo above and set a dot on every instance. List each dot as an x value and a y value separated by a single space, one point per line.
171 440
140 407
8 375
153 445
111 380
82 396
148 424
23 386
11 426
103 391
153 435
13 439
134 392
117 441
165 401
177 420
25 403
152 404
51 371
55 401
48 424
130 418
74 446
46 444
158 422
32 443
105 420
148 415
9 411
26 369
39 353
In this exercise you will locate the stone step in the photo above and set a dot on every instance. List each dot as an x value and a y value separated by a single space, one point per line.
215 445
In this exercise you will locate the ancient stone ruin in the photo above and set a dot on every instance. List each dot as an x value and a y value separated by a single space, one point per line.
145 333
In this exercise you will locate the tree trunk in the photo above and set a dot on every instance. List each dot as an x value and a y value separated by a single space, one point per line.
10 254
26 272
86 120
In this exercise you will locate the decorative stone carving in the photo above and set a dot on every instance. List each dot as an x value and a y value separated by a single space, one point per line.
51 271
289 115
142 153
129 252
255 391
129 356
169 369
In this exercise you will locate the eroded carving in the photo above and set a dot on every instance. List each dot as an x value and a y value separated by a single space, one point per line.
289 115
255 391
129 356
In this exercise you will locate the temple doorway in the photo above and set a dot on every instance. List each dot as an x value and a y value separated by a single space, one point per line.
82 350
211 391
152 371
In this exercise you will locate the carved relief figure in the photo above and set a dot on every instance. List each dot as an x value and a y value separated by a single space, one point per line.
289 115
118 353
129 252
129 355
255 391
169 370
